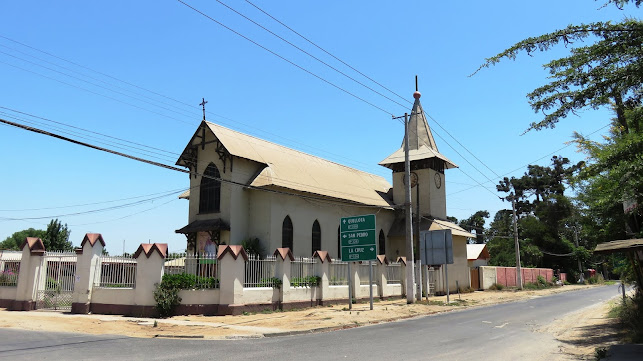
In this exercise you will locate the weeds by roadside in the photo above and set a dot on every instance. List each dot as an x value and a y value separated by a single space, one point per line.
629 313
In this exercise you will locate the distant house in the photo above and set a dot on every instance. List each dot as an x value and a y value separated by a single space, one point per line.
244 187
477 255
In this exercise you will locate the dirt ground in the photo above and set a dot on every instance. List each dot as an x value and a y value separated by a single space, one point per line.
575 331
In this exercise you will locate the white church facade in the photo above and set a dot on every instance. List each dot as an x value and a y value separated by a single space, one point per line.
243 187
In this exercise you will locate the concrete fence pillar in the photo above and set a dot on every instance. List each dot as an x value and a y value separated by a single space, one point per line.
150 261
402 261
380 276
88 256
30 271
322 269
232 262
356 286
282 271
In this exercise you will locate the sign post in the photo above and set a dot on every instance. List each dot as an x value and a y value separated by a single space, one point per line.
358 243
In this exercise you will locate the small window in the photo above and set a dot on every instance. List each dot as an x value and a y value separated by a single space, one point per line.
286 234
210 190
382 243
316 237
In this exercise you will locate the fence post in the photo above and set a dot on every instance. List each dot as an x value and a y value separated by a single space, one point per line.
322 269
232 260
282 271
380 276
402 262
30 268
149 273
87 256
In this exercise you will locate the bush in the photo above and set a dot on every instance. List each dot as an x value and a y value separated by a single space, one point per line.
8 278
496 287
596 279
310 281
630 316
166 294
273 282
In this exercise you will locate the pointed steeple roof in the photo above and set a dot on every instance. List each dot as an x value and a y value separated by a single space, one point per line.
421 142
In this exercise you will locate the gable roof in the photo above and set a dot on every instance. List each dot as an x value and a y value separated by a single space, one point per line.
477 251
291 169
421 142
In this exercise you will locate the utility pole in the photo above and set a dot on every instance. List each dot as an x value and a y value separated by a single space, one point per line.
518 271
580 266
410 265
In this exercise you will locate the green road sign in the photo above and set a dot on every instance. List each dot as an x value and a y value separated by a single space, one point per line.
358 236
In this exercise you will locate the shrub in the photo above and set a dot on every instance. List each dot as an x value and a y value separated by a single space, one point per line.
496 287
542 281
310 281
596 279
630 315
8 278
273 282
166 294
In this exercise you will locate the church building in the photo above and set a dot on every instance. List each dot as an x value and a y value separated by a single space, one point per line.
243 187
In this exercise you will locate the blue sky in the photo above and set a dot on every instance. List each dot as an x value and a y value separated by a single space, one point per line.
137 70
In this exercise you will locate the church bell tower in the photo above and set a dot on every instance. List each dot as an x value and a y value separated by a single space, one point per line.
427 167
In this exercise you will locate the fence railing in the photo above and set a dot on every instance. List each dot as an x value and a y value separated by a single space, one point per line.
394 273
199 270
301 271
9 268
363 270
338 273
115 272
260 272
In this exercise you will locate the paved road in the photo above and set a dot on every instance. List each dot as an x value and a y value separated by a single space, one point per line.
501 332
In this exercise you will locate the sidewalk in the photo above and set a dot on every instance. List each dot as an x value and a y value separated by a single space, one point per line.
263 324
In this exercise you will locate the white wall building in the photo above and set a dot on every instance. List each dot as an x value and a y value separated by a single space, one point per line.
244 187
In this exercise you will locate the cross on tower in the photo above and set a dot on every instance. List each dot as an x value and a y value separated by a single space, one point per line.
203 103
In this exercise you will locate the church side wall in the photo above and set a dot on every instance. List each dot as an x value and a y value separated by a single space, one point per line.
304 212
260 218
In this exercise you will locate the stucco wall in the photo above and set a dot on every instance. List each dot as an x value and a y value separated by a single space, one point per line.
114 296
8 293
459 270
303 214
432 199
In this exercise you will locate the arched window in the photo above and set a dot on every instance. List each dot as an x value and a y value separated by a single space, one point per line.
210 190
286 234
339 245
382 243
316 237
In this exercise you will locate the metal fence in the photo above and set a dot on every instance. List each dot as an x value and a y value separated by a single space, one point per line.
338 273
115 272
200 270
9 268
394 273
363 270
56 281
260 272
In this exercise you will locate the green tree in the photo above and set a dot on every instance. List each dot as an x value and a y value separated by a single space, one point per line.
56 237
14 241
476 222
608 71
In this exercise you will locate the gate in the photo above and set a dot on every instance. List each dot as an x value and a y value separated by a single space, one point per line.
56 281
475 278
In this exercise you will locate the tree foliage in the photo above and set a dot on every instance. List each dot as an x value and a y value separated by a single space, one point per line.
604 67
14 241
475 223
56 237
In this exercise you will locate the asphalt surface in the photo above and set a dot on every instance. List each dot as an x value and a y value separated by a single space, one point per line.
500 332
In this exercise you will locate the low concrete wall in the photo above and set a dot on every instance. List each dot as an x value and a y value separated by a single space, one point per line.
259 295
296 294
114 296
337 293
487 276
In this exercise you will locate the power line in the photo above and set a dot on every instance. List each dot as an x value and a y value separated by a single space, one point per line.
334 201
284 58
